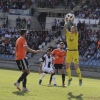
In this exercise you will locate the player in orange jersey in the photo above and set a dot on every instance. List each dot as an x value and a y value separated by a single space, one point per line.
21 48
59 59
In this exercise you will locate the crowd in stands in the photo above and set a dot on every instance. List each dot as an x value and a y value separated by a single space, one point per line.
36 39
57 25
89 42
21 23
90 9
5 5
53 3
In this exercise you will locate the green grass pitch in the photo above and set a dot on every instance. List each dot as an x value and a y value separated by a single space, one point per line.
90 90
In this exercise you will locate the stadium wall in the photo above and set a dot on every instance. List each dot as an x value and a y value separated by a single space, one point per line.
35 25
49 21
35 67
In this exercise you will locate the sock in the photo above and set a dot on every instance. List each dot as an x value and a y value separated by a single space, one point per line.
43 74
51 78
79 73
63 78
24 82
54 79
68 73
22 77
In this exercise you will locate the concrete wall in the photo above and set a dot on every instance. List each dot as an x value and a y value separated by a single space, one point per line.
49 21
35 24
35 67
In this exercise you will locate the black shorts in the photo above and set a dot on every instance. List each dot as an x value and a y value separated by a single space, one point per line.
22 64
58 66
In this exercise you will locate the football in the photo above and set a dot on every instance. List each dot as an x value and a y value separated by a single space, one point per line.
69 18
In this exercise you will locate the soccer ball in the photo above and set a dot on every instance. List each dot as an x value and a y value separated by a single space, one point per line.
69 18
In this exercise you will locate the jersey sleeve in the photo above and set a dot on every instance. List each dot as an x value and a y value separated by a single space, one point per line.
42 59
24 43
53 52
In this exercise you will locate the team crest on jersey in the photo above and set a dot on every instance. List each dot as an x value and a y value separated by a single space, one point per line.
71 38
75 60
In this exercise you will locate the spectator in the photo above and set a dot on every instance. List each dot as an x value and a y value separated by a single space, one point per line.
79 25
32 11
5 5
54 25
23 23
18 22
58 25
6 22
28 24
62 23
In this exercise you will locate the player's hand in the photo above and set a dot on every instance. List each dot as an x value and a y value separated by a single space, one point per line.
38 51
55 58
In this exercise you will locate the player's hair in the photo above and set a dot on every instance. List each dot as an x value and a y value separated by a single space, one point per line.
22 31
61 42
49 49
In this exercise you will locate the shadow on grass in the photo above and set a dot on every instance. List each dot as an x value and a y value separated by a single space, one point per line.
19 93
54 86
78 97
48 85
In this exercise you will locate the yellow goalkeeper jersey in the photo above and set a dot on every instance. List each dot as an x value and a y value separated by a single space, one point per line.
72 40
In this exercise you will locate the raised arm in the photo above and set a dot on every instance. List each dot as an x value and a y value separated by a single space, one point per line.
75 28
65 28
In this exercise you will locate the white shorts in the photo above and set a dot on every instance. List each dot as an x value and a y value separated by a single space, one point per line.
48 70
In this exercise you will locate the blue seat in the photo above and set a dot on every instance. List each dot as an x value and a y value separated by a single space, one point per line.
90 63
94 64
10 56
81 64
93 61
0 55
98 65
3 55
86 63
6 56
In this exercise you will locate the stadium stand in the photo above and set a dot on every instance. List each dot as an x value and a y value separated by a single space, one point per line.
90 9
36 40
5 5
89 38
89 46
54 3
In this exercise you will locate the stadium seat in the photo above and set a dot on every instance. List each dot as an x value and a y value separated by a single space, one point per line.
0 56
98 64
80 63
3 55
90 63
94 64
6 56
